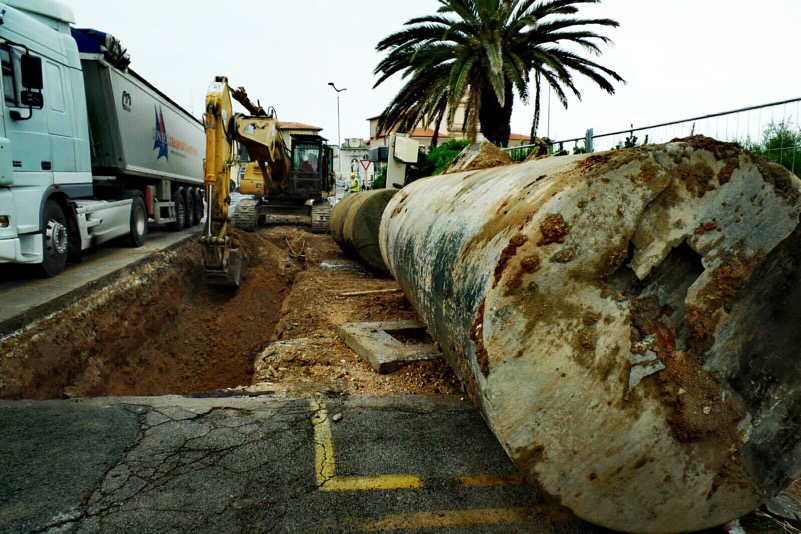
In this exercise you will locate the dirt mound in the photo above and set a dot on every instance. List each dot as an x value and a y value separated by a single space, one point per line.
477 156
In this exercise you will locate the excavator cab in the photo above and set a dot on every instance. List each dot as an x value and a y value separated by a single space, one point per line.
312 173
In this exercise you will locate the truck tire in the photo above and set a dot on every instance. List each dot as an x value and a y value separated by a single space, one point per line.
138 232
55 239
321 216
190 209
180 211
198 204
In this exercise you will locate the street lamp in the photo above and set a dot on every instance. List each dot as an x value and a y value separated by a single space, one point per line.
339 141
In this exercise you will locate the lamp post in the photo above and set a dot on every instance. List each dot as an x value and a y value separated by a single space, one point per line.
339 140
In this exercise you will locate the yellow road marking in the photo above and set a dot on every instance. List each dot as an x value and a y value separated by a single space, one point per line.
487 481
461 518
325 462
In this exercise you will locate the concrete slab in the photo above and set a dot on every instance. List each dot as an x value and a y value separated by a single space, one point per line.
24 295
389 345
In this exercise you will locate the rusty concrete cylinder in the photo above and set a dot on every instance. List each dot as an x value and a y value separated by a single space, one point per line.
355 222
627 322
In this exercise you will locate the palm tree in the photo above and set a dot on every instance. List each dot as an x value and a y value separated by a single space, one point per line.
481 52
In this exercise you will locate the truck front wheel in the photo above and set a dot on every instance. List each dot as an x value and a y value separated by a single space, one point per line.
138 232
55 237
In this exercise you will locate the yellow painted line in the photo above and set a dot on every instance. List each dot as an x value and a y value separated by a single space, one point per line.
488 481
461 518
382 482
325 462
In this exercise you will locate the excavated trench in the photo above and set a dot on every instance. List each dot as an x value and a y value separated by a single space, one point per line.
156 329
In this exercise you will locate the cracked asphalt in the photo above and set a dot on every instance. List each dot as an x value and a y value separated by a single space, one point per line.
174 464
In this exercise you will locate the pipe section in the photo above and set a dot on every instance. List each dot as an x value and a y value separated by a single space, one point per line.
627 322
355 222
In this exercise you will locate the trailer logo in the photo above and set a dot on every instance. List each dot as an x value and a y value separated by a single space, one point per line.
126 101
160 137
166 143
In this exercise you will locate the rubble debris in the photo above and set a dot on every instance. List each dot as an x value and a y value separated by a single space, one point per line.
659 350
543 146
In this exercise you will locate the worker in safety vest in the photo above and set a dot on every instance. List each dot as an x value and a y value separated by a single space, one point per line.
354 183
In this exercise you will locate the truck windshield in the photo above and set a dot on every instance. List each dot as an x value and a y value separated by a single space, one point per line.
306 158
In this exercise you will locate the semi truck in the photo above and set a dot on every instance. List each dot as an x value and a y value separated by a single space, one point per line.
89 150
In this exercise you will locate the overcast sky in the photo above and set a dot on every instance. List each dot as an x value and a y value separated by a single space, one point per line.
680 57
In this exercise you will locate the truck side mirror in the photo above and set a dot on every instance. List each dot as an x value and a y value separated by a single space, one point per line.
31 67
32 85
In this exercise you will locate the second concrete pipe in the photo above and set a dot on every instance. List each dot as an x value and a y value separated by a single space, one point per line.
355 222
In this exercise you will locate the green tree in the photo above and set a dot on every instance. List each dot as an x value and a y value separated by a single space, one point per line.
483 51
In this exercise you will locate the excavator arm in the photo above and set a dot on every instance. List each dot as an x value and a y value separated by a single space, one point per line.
269 165
222 261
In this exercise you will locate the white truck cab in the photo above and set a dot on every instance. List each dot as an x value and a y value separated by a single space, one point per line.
59 194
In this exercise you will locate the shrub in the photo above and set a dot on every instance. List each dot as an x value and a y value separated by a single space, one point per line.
380 180
781 143
439 157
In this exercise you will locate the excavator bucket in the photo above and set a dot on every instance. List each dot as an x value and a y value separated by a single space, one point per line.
227 272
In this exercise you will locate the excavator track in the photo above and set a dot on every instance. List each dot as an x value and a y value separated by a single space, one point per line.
321 216
246 214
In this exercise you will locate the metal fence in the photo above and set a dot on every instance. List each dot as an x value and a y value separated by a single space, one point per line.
772 130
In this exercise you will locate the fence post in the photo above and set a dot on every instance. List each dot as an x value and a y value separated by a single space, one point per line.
588 141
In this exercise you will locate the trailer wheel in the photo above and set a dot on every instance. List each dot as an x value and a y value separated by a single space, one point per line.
190 209
55 239
180 211
138 232
198 205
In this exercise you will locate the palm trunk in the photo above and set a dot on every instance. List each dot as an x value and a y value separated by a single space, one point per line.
496 119
435 138
536 122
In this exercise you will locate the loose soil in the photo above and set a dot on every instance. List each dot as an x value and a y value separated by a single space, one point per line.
308 355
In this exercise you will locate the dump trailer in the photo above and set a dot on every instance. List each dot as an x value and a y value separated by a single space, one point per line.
89 150
627 322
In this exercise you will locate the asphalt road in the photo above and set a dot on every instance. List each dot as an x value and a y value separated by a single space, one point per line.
170 464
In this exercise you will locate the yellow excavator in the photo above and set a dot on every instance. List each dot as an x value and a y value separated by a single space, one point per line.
285 185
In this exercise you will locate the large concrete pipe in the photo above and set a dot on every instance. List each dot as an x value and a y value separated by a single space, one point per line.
355 223
627 322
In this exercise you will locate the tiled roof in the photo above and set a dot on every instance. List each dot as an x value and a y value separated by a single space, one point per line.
419 132
427 132
297 126
519 137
